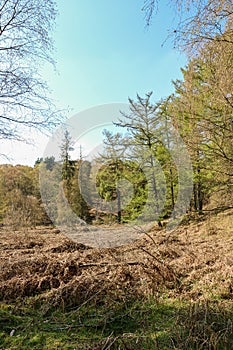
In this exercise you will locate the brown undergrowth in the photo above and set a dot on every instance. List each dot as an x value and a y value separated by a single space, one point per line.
194 262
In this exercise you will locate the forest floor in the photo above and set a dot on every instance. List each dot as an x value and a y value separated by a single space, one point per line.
167 290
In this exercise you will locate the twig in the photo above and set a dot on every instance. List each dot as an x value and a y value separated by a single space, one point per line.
131 263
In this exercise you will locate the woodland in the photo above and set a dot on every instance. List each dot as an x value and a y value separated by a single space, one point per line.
171 289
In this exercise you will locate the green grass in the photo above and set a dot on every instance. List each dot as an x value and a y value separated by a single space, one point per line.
136 323
121 325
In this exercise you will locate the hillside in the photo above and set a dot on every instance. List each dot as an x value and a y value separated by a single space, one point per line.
168 290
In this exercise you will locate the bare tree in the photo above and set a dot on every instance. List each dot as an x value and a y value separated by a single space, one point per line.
25 44
198 21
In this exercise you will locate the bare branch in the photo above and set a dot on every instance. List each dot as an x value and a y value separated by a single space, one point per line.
25 43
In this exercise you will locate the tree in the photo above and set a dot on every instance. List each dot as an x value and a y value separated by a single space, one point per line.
20 202
165 151
121 184
50 182
67 164
48 161
79 186
144 129
200 21
112 170
25 43
203 117
204 21
202 106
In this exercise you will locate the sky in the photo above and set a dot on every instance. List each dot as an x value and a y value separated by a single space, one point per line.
104 54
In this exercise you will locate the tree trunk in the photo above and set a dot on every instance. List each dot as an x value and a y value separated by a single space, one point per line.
119 206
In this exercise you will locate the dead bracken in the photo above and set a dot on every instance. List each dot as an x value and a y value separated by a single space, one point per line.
193 261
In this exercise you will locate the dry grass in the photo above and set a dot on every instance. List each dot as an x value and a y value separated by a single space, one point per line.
193 262
168 290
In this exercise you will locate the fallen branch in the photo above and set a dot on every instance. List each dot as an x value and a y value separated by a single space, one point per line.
130 263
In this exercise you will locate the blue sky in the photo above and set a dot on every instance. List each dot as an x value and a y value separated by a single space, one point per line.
105 54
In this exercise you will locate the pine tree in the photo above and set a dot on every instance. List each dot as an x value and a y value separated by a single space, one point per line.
144 129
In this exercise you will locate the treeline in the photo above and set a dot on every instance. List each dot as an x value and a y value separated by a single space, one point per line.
201 111
137 174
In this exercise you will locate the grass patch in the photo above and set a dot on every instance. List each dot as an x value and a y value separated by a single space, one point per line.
139 324
133 325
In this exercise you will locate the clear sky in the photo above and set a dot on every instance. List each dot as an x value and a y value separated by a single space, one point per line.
105 54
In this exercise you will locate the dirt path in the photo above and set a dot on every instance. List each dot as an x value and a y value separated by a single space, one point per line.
105 236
